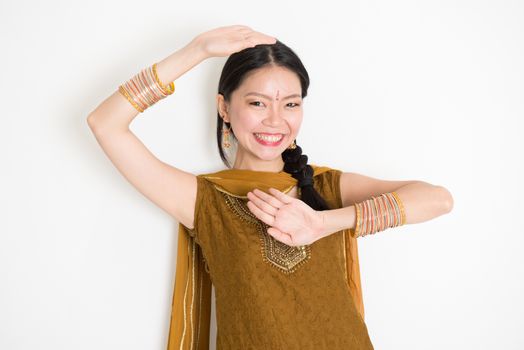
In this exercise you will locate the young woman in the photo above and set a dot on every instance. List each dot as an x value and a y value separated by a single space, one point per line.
276 236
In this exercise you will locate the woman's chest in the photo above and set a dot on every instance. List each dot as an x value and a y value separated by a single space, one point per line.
239 244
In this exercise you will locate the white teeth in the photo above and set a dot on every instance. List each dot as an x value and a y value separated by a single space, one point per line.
270 138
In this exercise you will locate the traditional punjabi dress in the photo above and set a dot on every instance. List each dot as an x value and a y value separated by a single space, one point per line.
268 295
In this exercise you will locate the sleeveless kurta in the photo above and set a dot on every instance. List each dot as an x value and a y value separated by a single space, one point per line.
270 295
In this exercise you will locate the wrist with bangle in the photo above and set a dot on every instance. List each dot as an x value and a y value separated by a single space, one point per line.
145 89
378 214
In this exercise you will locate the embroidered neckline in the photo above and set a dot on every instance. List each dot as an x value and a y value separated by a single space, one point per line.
285 258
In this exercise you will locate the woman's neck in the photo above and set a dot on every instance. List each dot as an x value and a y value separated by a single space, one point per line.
273 166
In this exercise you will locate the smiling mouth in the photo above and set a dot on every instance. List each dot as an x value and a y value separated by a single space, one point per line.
269 139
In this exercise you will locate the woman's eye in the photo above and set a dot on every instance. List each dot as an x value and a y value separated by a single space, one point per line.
259 104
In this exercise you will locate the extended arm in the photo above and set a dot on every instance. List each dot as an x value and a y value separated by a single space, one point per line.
295 223
422 201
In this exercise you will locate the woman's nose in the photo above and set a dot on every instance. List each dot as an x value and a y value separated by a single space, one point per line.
273 118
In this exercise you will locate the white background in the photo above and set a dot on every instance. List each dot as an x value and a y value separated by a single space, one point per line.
400 90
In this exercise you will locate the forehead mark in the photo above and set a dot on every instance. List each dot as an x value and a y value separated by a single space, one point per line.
278 92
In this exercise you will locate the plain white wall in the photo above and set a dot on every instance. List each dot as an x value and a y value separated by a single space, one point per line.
428 90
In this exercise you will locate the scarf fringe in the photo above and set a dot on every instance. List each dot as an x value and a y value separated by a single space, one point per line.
191 307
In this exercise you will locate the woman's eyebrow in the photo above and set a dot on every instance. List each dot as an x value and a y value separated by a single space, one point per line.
269 98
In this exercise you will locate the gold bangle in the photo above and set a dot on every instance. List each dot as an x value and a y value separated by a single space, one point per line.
168 90
377 214
126 95
401 205
355 232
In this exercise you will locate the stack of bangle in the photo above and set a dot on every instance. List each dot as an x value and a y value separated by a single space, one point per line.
145 89
377 214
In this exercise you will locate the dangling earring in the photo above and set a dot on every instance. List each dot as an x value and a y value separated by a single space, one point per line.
225 137
293 145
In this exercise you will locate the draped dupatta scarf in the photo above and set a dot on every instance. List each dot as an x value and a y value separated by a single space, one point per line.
191 306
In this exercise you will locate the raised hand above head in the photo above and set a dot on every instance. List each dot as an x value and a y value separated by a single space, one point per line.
224 41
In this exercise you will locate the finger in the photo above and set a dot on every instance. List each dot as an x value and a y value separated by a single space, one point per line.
260 214
279 235
275 202
241 26
281 196
257 38
268 208
264 38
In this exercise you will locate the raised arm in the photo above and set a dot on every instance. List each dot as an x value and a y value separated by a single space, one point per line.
170 188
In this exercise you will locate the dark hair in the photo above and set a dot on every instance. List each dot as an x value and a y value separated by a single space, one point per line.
234 72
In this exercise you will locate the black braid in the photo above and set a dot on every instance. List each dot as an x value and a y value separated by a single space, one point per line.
296 165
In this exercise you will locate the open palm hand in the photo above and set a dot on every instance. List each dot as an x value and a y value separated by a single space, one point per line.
291 221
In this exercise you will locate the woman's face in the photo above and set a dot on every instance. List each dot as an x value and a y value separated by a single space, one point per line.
265 113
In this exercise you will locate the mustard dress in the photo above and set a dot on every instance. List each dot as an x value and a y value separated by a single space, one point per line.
270 295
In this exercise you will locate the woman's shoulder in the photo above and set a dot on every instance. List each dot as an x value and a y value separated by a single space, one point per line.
327 184
325 171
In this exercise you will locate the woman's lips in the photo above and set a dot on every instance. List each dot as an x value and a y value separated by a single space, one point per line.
269 139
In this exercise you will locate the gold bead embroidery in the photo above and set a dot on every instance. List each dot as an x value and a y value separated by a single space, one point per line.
286 258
